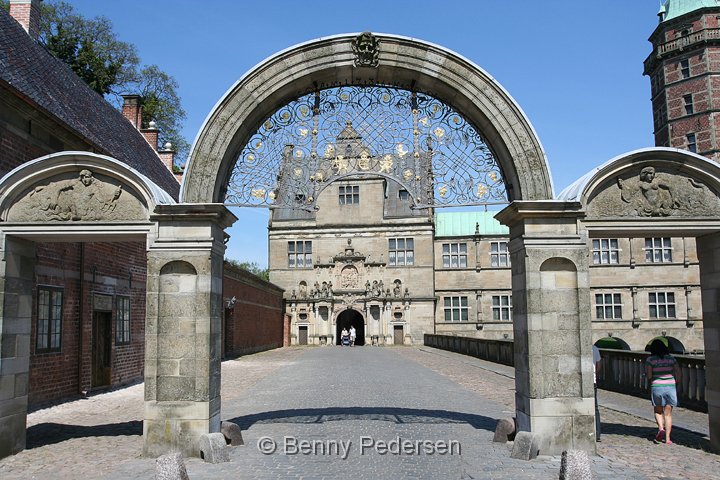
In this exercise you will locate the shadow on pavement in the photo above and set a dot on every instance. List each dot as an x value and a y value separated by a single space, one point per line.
680 436
386 414
51 433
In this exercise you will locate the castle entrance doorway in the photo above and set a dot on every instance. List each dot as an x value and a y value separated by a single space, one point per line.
347 319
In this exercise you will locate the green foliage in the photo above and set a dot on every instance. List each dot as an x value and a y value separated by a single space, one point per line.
252 267
112 68
89 46
161 103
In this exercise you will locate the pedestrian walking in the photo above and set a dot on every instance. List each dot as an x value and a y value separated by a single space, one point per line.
353 333
663 372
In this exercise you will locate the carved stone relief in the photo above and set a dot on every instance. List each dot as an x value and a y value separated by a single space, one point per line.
650 192
79 197
366 49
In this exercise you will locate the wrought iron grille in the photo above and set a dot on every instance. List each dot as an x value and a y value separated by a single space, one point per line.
409 137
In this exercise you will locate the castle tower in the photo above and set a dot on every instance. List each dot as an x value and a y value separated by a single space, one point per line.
684 71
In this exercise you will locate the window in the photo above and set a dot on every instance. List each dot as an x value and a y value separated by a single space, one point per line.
605 251
349 195
689 110
608 306
403 194
658 250
49 318
454 255
502 307
685 68
691 143
122 321
499 254
401 251
662 304
299 254
456 309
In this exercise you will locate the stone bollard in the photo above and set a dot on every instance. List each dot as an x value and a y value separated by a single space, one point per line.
575 465
504 430
525 446
170 467
232 433
213 448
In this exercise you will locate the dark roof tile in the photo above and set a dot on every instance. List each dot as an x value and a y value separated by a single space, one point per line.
27 67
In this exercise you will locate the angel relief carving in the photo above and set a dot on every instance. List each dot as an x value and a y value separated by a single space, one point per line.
652 193
650 196
77 199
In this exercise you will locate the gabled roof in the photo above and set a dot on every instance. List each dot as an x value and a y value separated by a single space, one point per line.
28 70
677 8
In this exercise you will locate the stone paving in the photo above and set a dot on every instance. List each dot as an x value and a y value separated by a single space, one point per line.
343 403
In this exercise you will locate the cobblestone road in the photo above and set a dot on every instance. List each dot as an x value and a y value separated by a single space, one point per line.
330 396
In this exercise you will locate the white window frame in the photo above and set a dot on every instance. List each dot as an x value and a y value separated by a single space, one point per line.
502 308
456 309
122 321
50 303
349 194
499 255
608 306
401 251
662 305
454 255
605 251
295 254
658 250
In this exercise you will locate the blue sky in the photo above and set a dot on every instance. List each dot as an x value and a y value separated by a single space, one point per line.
573 66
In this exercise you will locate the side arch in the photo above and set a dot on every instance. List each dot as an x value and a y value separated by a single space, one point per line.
123 194
402 61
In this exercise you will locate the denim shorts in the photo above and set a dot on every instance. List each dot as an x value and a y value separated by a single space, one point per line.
665 395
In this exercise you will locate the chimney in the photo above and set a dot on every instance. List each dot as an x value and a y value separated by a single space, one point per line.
167 155
151 134
27 14
132 110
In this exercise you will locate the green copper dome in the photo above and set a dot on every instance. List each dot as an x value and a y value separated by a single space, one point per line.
676 8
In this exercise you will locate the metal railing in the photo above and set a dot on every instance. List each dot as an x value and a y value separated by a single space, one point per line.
622 371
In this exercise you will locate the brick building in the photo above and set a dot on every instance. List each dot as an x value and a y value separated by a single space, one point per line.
89 298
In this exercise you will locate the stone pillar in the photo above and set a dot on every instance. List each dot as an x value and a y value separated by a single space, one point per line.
708 250
17 277
183 327
551 324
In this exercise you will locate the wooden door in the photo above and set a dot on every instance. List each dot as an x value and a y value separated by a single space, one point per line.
303 336
398 334
101 348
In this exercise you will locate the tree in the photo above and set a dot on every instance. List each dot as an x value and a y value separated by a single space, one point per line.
161 103
112 68
252 267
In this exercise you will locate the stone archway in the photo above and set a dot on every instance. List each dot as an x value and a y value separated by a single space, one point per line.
350 318
67 197
399 61
413 65
665 192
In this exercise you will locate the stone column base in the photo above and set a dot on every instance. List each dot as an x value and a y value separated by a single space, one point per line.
561 423
177 426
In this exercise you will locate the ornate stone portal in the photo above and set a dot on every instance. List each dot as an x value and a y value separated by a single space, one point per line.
348 280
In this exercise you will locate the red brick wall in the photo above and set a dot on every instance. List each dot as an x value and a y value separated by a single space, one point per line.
15 150
256 322
54 375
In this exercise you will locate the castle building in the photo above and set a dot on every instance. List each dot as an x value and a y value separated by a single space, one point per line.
398 271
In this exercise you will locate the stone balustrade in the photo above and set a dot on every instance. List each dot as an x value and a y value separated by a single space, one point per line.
622 371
